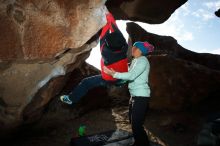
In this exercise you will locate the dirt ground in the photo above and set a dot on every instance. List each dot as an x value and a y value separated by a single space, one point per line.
60 122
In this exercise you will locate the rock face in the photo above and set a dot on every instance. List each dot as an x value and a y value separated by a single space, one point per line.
41 41
35 41
180 79
42 29
217 13
34 84
99 95
150 11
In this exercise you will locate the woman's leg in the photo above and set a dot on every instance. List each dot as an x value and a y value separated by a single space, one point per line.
85 85
130 109
138 111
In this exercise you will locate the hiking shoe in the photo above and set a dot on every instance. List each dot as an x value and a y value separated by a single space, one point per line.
65 99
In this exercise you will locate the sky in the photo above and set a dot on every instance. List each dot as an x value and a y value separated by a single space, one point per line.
194 25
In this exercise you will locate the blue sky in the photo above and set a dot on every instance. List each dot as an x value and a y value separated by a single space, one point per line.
194 25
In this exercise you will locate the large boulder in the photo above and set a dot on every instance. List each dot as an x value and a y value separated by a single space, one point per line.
34 84
178 84
150 11
42 29
40 43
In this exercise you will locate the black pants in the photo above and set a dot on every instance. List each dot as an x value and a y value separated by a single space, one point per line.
138 106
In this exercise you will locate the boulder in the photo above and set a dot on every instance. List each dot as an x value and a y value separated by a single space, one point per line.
149 11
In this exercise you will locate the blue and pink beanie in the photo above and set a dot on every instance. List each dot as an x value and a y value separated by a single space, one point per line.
145 47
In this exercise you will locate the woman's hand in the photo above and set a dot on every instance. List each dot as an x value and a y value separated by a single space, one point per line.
110 72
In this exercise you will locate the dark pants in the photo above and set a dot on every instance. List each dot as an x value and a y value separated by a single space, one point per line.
89 83
138 106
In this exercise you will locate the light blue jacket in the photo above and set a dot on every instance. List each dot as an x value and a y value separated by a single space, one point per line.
137 77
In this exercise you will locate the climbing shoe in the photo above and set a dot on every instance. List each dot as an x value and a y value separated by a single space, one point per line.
65 99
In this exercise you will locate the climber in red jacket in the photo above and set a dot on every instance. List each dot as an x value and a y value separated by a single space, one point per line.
113 47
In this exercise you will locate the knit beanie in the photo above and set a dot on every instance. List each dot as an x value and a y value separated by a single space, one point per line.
145 47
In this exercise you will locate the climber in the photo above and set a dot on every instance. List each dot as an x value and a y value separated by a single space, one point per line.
138 88
113 47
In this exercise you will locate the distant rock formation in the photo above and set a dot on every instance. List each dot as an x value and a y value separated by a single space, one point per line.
217 13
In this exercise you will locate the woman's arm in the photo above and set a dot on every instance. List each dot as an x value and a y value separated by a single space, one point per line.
138 68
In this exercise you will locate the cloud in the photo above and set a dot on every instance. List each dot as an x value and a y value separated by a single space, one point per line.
187 36
95 57
212 5
215 51
174 26
205 15
185 9
208 16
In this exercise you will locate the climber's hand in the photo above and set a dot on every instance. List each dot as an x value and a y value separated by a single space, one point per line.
109 71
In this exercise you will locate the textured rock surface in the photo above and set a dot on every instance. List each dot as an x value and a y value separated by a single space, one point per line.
179 78
40 42
42 29
183 85
149 11
23 84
